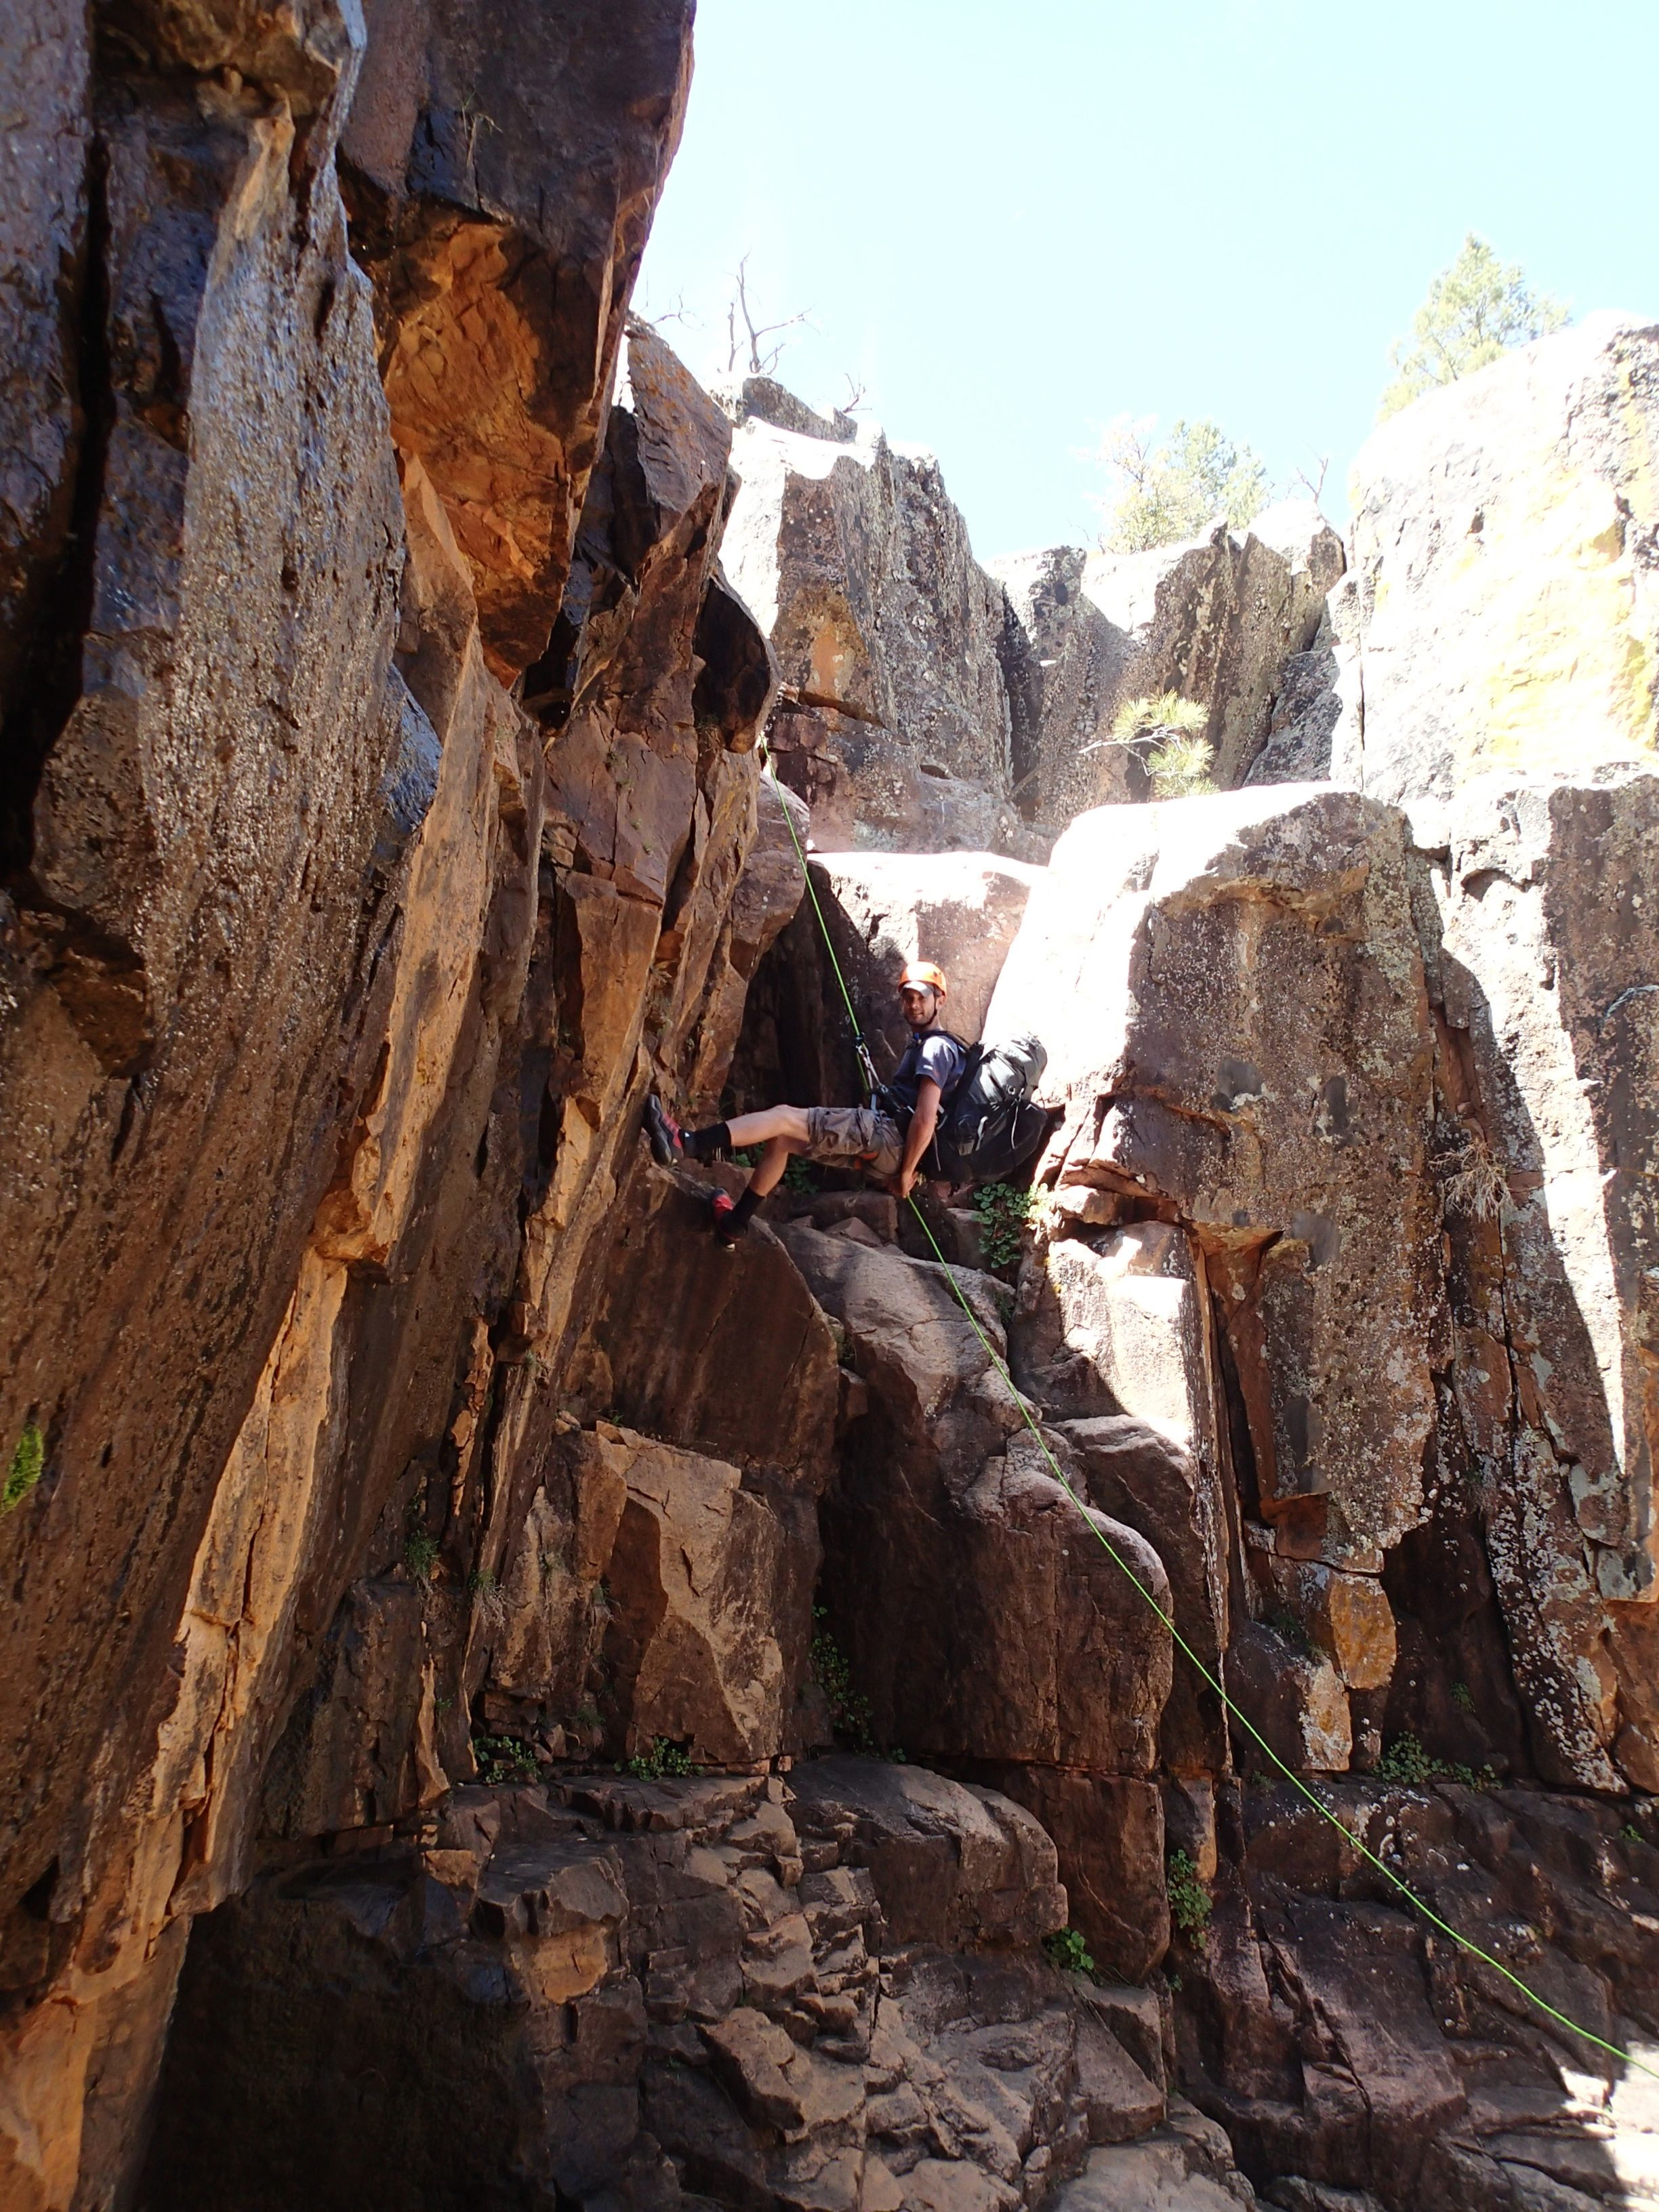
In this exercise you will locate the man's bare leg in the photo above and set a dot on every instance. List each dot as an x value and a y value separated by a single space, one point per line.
782 1130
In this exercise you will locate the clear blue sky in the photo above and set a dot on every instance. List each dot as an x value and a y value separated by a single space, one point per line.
1015 222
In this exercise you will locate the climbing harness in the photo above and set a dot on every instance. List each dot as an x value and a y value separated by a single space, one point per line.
1464 1942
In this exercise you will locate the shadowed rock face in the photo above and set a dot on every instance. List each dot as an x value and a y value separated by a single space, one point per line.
761 1994
315 1073
502 183
1223 622
216 774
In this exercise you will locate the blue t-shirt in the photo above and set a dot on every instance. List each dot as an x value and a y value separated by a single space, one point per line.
935 1053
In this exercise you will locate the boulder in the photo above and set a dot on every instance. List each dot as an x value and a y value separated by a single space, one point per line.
1220 620
1500 534
949 1864
1108 1835
1171 1497
1258 1060
961 910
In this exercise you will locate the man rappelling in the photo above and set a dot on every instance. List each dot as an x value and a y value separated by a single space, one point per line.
888 1139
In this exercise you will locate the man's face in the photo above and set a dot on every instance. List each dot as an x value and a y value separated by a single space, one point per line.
919 1005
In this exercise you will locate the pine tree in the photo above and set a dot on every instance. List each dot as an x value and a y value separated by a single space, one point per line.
1164 493
1475 310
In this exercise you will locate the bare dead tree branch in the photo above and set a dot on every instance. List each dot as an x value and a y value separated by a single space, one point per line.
1316 485
752 334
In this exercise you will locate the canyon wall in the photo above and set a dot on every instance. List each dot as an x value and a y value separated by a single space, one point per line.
509 1699
929 704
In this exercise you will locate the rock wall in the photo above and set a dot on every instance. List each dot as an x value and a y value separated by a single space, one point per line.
929 704
469 1630
1225 621
893 722
1335 1315
1503 569
335 970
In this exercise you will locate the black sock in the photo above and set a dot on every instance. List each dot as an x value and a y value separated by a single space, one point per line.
713 1143
747 1207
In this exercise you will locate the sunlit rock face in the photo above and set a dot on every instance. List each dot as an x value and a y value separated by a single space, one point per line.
893 724
1504 538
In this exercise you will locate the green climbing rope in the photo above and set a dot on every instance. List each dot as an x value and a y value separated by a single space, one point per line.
1464 1942
824 927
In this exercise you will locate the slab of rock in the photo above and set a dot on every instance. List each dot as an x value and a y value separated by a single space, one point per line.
1542 951
944 1510
894 725
504 258
1109 1834
1501 550
1141 1476
1258 1059
1158 2175
652 1586
949 1864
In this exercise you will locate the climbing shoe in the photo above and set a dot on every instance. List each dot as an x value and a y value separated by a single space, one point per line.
667 1142
729 1219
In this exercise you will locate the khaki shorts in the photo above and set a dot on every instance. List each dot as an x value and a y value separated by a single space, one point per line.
854 1137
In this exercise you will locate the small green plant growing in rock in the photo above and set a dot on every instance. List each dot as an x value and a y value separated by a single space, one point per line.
849 1711
798 1175
503 1759
1463 1697
486 1592
1630 1833
1190 1903
664 1761
1067 1950
29 1459
1002 1210
1168 733
1405 1760
421 1554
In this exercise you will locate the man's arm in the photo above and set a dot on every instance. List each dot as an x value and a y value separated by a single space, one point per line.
920 1136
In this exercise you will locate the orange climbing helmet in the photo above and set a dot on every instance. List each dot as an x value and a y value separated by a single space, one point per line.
922 976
